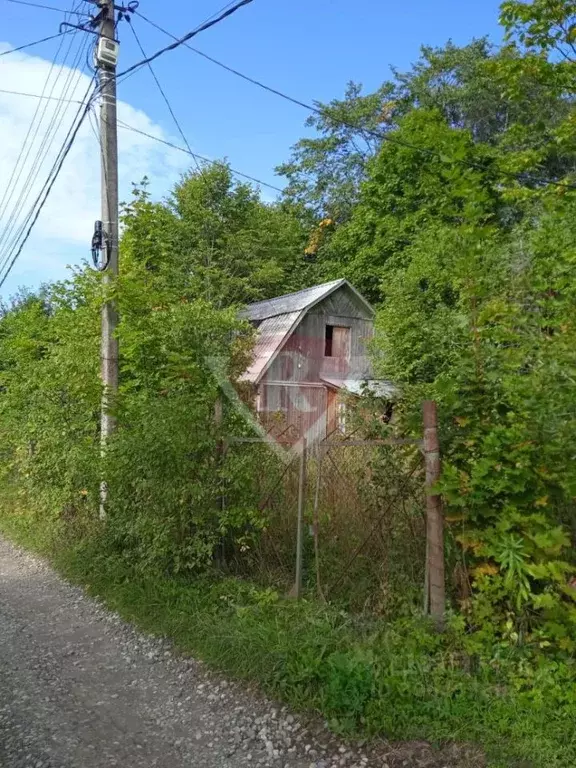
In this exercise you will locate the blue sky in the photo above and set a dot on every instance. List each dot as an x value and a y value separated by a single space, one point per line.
308 48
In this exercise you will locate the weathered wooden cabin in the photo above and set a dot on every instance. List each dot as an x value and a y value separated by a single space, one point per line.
311 347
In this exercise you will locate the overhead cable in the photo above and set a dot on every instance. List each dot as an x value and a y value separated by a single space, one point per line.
46 7
36 42
181 41
11 187
218 12
122 124
162 93
170 144
54 123
38 96
47 188
381 136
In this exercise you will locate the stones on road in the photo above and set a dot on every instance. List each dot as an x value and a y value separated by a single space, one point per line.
81 688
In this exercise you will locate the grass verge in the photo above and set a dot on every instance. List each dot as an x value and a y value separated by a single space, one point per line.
401 680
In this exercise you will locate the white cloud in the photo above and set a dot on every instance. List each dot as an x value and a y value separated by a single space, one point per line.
64 229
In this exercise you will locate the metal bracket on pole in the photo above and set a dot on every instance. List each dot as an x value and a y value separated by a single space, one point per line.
81 27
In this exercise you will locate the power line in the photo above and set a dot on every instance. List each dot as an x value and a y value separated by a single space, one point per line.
217 13
231 69
46 7
32 131
128 127
188 149
40 203
71 132
196 155
519 177
163 94
54 122
36 42
189 36
13 230
49 184
37 96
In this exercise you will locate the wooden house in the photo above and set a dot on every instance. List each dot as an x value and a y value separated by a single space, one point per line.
311 347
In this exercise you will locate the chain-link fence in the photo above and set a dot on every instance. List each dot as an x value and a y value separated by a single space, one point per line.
344 519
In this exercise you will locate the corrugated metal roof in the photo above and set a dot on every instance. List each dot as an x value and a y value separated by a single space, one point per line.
377 387
291 302
271 335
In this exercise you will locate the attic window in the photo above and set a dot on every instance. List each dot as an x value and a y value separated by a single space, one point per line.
328 341
337 341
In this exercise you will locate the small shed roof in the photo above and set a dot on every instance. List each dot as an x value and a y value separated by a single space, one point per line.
299 301
376 387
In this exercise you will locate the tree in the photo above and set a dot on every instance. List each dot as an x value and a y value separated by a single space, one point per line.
546 26
324 174
469 86
422 175
216 239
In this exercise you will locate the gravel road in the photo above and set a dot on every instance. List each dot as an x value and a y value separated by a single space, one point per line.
80 688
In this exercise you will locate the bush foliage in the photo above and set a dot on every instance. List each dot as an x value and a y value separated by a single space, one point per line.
448 197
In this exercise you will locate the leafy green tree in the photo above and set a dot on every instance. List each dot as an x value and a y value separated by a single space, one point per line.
214 244
324 173
446 181
547 26
214 238
474 87
161 465
482 320
50 394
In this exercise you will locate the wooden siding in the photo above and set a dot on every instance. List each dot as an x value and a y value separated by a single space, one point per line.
301 363
302 357
342 302
301 406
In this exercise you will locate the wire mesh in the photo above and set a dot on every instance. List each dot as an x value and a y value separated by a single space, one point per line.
364 521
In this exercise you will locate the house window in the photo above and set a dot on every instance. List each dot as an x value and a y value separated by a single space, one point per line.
273 398
337 341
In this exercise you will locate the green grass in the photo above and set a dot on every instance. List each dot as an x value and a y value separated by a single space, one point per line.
400 680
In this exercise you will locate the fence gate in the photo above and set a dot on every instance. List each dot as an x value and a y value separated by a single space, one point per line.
351 519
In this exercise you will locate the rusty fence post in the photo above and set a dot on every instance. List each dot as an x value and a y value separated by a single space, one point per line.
297 588
435 586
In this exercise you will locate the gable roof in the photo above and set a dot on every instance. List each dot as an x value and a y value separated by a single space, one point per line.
276 319
299 301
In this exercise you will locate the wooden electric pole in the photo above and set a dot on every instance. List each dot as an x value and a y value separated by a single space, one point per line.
109 252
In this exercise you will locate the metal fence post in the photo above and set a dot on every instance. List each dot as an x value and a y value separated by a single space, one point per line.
297 589
434 521
316 519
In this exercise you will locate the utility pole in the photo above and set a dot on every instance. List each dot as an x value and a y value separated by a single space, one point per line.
109 253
